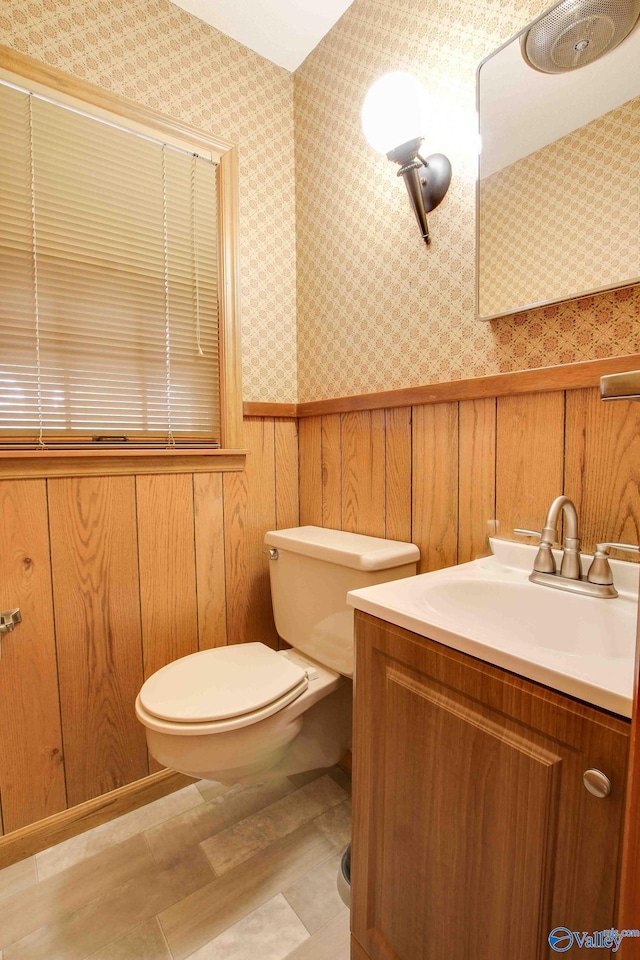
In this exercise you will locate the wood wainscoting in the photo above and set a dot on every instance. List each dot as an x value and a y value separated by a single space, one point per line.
445 475
116 576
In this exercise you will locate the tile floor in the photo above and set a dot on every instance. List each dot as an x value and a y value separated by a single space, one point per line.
207 873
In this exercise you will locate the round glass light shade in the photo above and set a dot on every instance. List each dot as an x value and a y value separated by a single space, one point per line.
394 111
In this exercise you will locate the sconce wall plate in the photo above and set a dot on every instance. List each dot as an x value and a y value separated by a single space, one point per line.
435 178
427 179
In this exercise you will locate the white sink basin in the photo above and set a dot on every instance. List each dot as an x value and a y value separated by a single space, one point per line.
516 612
579 645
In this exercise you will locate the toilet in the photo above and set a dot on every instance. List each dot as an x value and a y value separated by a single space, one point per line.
238 713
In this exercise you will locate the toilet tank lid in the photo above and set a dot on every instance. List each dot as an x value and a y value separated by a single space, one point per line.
346 549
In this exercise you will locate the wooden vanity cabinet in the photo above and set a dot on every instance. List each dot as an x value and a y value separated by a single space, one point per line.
474 835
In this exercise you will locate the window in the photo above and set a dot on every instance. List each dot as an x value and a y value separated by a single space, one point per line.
109 262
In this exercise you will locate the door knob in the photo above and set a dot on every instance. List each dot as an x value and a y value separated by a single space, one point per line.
597 783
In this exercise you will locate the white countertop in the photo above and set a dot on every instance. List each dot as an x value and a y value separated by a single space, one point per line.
581 646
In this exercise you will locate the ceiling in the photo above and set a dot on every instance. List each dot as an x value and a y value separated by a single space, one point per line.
284 31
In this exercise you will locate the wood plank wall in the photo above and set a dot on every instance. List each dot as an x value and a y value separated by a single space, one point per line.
441 474
118 575
115 576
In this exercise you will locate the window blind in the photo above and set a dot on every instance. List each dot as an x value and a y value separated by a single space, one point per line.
108 281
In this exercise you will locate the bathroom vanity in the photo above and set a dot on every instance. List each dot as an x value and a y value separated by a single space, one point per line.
488 807
474 833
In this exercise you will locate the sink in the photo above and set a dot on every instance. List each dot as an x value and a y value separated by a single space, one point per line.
579 645
517 613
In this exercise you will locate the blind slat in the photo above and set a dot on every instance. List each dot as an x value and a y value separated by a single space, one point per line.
125 233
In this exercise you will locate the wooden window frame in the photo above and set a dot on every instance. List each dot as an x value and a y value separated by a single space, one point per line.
65 88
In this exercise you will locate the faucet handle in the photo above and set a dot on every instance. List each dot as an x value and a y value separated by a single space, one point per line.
605 547
539 534
600 569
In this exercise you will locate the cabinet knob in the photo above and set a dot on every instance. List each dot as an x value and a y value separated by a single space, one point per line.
597 783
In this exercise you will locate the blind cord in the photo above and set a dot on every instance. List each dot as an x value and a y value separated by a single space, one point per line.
167 327
194 245
36 298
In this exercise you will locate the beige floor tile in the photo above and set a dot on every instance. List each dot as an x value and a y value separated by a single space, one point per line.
205 914
72 851
102 921
336 824
244 799
211 788
174 836
271 932
244 839
17 877
314 897
146 942
330 943
336 773
170 839
307 776
62 894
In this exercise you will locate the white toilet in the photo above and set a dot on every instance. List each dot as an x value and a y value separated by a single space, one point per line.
235 713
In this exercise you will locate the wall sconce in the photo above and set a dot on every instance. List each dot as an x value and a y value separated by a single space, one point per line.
393 121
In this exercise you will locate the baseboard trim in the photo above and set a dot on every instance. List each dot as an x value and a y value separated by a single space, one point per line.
61 826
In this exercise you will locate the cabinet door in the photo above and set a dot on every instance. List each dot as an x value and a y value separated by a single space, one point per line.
474 835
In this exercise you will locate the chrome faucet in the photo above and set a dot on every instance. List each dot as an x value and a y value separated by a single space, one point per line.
599 580
545 561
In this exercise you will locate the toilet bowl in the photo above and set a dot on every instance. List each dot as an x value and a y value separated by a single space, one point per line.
232 749
241 712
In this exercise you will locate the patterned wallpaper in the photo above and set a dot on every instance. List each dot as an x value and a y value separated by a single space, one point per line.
579 232
153 52
378 310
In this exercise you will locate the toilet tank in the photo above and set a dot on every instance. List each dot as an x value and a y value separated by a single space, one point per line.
312 569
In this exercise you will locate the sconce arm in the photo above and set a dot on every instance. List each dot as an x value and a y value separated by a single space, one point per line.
427 179
411 175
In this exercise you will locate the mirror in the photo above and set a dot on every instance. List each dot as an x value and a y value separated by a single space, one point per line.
558 194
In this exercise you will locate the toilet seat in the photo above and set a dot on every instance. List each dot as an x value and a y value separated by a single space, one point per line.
220 689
